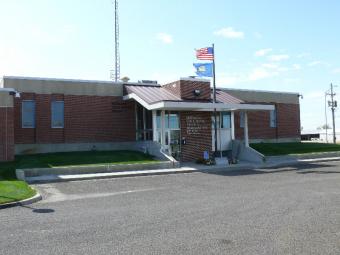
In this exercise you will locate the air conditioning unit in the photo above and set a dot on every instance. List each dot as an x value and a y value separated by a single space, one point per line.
148 81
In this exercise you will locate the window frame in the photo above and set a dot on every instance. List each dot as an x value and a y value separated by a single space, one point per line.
22 114
242 119
273 118
52 124
222 123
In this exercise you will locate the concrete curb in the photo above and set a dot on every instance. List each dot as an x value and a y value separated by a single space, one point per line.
313 155
37 197
247 166
83 177
23 174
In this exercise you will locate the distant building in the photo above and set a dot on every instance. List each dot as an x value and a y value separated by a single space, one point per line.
68 115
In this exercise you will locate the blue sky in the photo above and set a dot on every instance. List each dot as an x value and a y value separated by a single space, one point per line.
265 44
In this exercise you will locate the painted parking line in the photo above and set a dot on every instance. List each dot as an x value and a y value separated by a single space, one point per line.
54 195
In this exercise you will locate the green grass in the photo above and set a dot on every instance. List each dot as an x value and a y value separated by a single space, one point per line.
273 149
10 188
13 190
51 160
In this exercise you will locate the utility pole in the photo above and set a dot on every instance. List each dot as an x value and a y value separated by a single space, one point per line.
333 104
326 117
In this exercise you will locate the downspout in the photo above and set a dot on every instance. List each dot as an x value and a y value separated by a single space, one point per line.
276 123
6 127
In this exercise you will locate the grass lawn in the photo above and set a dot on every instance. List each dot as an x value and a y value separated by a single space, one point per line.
50 160
273 149
13 190
10 188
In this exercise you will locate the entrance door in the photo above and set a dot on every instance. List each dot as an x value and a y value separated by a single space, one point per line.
172 134
175 143
224 137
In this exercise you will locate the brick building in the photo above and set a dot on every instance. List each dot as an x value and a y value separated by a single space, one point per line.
39 115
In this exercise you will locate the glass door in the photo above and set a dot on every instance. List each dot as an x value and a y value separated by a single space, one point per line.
167 124
223 132
175 143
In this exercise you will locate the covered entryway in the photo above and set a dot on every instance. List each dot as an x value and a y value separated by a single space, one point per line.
183 126
225 132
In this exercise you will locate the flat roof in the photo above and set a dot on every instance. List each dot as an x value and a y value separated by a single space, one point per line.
72 80
260 91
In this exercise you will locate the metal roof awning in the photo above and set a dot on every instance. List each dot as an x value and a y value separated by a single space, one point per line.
197 106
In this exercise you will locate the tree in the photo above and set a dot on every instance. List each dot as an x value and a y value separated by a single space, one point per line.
326 127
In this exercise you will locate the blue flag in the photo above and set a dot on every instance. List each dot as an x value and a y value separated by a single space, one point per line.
204 69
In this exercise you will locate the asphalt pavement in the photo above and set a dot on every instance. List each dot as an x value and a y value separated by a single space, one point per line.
287 210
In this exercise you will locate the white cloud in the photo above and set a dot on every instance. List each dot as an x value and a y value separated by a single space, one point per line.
296 66
262 52
303 55
318 63
260 73
314 95
270 65
228 79
165 38
277 58
315 63
258 35
336 70
292 80
257 73
229 32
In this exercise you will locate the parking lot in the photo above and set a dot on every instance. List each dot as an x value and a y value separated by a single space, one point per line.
290 210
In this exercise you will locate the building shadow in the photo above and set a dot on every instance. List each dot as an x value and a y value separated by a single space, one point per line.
301 168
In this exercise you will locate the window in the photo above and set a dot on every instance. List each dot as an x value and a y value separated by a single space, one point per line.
272 122
143 124
242 119
173 120
28 114
224 116
226 121
57 116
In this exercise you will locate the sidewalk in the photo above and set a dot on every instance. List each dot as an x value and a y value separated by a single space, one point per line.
277 161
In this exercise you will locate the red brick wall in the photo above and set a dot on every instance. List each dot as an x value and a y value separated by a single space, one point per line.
288 123
196 129
185 89
288 120
87 119
6 134
174 88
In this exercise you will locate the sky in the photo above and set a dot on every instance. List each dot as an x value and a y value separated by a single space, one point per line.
263 45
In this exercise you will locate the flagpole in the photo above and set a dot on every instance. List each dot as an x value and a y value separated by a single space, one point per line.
214 101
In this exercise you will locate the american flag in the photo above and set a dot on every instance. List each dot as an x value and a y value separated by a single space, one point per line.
206 53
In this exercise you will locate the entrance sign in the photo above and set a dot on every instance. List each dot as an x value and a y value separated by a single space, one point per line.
195 124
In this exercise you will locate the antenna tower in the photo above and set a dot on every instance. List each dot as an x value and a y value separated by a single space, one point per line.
117 57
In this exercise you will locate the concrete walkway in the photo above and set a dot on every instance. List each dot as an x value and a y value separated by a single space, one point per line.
188 168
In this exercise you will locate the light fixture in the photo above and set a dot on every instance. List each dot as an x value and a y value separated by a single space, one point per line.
197 92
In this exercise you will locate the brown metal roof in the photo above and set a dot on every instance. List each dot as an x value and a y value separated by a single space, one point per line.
154 94
224 97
